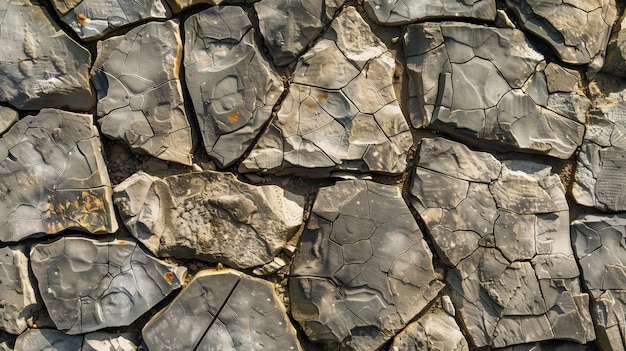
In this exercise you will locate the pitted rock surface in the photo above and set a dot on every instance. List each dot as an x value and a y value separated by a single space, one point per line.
231 83
223 310
398 12
208 215
362 270
17 296
437 331
489 86
503 230
140 99
53 177
8 117
45 67
55 340
341 112
88 285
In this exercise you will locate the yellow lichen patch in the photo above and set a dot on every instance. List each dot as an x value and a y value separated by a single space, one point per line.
81 18
86 210
233 117
179 58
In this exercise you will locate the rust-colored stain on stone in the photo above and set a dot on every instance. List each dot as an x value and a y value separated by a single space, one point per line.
81 18
233 117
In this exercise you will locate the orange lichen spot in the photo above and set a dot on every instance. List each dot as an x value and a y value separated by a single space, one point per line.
81 18
88 206
84 194
168 277
233 117
76 203
310 104
323 96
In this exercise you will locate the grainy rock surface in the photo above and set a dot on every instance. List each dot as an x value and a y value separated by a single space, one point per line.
398 12
437 331
18 298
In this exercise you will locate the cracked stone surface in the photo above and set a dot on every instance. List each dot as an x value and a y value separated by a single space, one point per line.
223 310
18 301
553 345
45 67
503 230
181 5
341 112
55 340
231 83
88 285
577 30
615 60
489 86
53 177
140 98
362 270
8 117
289 26
92 19
399 12
437 331
208 215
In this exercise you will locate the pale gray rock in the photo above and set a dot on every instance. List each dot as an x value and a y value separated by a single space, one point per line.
100 341
362 270
140 98
615 60
88 285
577 30
53 177
488 86
55 340
341 112
222 310
209 216
45 67
399 12
289 26
18 301
8 117
503 230
232 85
432 332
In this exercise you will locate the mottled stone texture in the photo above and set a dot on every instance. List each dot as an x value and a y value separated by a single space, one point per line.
436 331
181 5
398 12
362 270
18 301
503 230
54 340
53 177
140 99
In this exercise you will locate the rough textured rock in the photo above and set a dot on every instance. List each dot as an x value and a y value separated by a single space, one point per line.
91 19
231 83
503 230
88 285
208 215
8 117
140 99
546 346
289 26
55 340
45 67
577 30
363 269
437 331
223 310
488 86
615 60
398 12
53 177
18 301
181 5
341 111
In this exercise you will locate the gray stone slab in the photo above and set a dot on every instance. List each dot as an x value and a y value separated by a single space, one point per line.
140 98
436 331
399 12
88 285
181 5
223 310
505 237
99 341
232 85
209 216
45 67
489 87
362 270
18 300
53 177
8 117
615 60
55 340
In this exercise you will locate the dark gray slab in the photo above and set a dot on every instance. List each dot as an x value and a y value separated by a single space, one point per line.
55 340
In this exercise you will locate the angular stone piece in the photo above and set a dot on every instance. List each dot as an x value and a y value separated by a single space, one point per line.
289 26
140 99
91 19
437 331
89 285
399 12
231 83
363 269
209 216
223 310
504 234
341 112
615 60
18 299
8 117
55 340
577 30
53 177
489 86
181 5
99 341
45 67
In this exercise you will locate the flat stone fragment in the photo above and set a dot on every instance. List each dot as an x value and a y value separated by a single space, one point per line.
552 345
53 177
18 299
362 270
489 87
8 117
399 12
289 26
222 310
181 5
431 332
577 30
209 216
45 67
232 85
55 340
341 112
89 285
92 19
615 60
504 233
140 98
